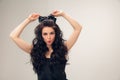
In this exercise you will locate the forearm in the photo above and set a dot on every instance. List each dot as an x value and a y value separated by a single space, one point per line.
18 30
76 26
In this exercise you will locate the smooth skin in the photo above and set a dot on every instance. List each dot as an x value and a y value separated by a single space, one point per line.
48 33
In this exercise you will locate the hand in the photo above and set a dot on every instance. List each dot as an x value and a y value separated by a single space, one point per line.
57 13
33 16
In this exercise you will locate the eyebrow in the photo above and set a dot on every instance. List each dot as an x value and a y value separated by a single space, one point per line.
50 32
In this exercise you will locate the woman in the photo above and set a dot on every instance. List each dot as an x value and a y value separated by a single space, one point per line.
49 50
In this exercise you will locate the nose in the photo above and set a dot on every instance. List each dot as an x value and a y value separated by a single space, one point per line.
48 36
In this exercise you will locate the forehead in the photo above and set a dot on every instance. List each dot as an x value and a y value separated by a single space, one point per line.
47 29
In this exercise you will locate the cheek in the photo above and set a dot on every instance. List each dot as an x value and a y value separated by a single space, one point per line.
53 37
44 37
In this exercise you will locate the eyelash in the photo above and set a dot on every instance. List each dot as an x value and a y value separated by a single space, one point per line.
45 34
50 33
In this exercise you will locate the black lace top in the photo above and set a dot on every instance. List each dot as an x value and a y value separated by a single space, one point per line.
51 70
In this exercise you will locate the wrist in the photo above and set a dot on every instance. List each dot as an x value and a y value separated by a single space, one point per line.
64 14
28 20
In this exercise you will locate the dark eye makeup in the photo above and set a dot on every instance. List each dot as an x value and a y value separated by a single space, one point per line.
47 33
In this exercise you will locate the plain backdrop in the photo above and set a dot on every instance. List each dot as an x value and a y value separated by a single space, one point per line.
95 55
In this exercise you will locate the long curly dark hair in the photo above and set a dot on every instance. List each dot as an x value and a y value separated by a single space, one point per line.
39 46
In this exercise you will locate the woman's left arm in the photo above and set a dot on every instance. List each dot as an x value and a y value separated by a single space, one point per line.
76 26
77 29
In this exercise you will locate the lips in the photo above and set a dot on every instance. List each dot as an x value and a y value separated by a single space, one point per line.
49 41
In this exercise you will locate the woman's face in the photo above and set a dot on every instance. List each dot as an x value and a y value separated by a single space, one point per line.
48 35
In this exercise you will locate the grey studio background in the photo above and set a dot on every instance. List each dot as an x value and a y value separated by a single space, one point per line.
96 54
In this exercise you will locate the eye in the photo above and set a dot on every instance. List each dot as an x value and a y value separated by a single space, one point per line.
44 33
52 33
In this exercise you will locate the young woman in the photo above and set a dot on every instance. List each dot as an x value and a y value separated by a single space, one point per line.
49 50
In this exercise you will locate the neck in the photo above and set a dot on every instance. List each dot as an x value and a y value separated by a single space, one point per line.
48 54
49 47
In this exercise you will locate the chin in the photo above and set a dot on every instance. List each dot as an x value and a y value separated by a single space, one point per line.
49 44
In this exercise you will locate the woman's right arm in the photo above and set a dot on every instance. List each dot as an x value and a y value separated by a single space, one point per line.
15 34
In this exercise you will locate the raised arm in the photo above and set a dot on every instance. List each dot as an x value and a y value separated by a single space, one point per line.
76 26
15 34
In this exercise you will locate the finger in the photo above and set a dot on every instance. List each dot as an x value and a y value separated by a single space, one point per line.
37 15
55 11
